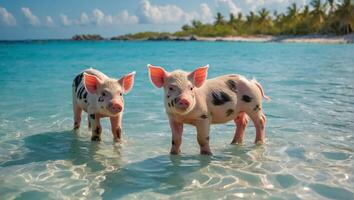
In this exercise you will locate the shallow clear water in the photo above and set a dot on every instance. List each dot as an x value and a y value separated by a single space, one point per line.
310 142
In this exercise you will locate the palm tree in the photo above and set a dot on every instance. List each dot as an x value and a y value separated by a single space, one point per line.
318 11
264 21
293 11
304 26
239 16
251 18
196 24
305 13
263 14
290 22
332 6
345 16
219 19
186 27
264 18
232 18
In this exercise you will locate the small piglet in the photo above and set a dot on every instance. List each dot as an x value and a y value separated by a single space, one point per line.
100 96
191 99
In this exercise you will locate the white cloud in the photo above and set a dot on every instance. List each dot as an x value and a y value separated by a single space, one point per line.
32 19
206 14
7 17
49 21
65 20
125 18
227 7
84 19
100 18
257 4
148 13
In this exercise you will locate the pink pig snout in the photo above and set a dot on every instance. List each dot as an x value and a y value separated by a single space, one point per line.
183 103
114 106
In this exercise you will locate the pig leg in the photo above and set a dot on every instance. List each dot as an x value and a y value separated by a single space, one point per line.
177 130
259 121
203 129
116 127
96 127
241 122
77 116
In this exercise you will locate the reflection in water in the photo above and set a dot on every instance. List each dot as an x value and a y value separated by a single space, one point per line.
164 174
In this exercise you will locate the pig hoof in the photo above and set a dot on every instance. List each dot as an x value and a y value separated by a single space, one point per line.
95 138
259 142
236 142
117 140
76 131
175 152
203 152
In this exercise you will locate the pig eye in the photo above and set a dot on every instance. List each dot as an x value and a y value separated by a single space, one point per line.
121 94
170 88
192 88
103 93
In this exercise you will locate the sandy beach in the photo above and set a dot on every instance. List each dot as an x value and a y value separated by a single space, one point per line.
324 39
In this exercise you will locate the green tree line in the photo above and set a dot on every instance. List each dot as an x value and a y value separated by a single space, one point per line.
319 17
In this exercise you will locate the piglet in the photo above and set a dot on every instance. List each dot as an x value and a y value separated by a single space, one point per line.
191 99
100 96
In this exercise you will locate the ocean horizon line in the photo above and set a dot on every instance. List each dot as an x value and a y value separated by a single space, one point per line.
309 38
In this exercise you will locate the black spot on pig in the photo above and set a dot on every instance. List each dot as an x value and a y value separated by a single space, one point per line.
204 116
100 99
82 88
246 98
232 85
173 142
256 108
220 99
85 95
172 103
81 92
229 112
77 80
92 116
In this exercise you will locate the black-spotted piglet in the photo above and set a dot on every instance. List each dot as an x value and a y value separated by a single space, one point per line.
100 96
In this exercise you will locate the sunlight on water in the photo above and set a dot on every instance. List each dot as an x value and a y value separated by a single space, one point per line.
309 149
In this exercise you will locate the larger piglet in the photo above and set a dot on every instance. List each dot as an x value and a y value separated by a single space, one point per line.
191 99
100 96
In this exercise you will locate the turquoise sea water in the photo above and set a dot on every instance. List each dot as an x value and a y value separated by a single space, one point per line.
310 132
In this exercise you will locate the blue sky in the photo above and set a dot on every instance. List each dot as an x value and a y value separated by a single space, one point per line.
48 19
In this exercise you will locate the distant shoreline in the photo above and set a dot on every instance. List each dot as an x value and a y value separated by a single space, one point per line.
322 39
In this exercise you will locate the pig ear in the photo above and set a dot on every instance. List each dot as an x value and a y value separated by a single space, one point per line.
199 76
127 82
91 83
157 75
